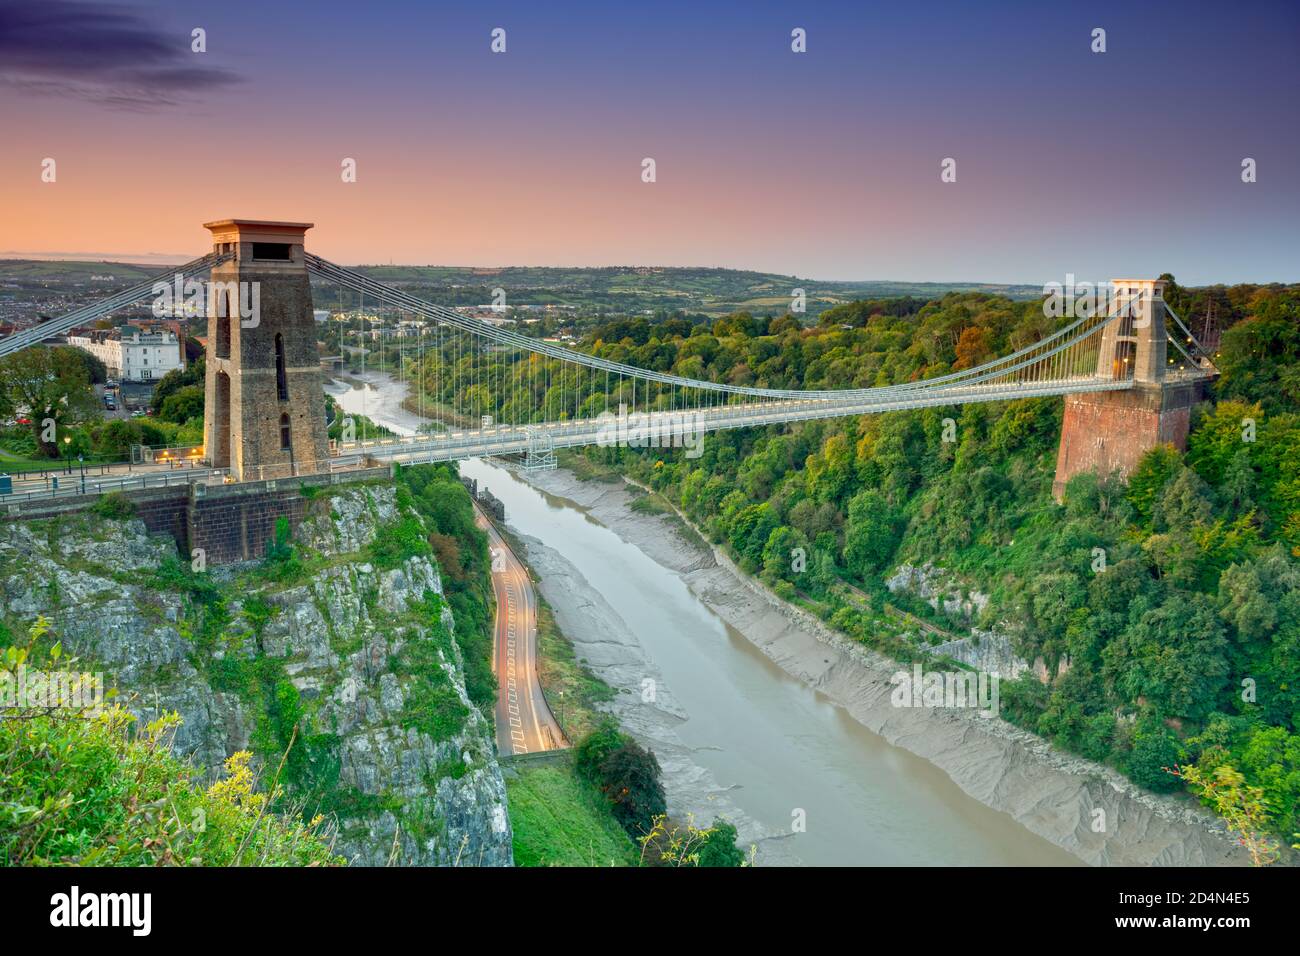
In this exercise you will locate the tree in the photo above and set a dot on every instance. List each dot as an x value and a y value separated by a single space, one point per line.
49 384
178 378
1154 469
1256 356
1183 502
972 347
1154 755
182 405
629 778
870 535
1174 656
594 748
783 544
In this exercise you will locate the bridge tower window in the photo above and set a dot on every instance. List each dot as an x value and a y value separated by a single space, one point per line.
273 251
281 380
285 435
223 327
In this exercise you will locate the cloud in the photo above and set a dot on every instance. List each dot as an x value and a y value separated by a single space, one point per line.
112 55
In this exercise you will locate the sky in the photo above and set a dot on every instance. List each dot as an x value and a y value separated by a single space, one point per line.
824 164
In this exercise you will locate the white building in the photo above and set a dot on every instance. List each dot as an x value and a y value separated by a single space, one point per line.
130 354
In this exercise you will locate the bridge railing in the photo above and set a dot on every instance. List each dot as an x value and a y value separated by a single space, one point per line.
77 485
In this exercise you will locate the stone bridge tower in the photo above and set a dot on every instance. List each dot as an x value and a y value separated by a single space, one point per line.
265 404
1106 432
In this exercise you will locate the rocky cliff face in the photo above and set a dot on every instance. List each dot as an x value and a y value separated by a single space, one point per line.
348 641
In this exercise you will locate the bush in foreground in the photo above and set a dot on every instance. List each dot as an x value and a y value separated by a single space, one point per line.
81 788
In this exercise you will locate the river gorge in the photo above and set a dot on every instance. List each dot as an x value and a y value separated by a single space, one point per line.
765 718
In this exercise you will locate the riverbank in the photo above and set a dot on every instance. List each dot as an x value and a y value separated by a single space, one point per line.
1052 794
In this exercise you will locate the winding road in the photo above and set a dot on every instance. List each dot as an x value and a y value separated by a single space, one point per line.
524 721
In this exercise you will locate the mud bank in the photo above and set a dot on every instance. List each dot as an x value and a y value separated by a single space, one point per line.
1051 793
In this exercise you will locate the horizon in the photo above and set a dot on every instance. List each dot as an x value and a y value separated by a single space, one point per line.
821 164
164 260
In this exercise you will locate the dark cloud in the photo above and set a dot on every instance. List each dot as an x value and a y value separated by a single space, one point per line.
116 56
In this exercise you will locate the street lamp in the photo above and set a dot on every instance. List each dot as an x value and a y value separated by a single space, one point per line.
67 452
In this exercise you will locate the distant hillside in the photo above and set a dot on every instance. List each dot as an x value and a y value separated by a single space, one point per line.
622 289
41 271
642 288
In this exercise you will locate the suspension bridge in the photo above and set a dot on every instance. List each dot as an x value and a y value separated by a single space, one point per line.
519 395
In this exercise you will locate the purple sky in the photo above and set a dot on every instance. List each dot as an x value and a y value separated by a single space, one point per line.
822 164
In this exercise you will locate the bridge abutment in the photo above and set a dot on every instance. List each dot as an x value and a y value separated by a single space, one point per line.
1106 432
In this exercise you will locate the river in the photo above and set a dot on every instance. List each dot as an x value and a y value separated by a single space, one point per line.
782 752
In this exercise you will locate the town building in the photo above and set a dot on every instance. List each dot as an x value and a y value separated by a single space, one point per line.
132 354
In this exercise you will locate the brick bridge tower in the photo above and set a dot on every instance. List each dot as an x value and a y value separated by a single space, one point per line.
1105 432
265 404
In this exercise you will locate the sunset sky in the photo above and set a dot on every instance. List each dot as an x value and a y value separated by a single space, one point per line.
824 164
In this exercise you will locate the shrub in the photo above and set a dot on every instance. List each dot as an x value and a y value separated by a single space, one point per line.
114 505
84 789
399 541
626 773
721 849
1154 754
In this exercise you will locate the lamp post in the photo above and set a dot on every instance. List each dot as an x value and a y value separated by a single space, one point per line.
67 452
81 463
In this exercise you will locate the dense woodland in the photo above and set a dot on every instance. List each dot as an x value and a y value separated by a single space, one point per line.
1184 650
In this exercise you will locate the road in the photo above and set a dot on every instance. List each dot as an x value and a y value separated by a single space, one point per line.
524 721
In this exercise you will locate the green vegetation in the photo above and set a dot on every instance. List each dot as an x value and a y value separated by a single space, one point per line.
89 790
47 384
227 621
432 705
572 691
461 550
115 505
673 844
178 397
626 773
559 820
1167 607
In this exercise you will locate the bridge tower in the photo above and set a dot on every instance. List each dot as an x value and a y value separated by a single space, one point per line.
1106 432
265 403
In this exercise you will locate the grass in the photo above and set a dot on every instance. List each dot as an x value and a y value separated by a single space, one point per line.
571 689
557 821
649 505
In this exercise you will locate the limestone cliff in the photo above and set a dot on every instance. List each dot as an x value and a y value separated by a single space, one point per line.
341 637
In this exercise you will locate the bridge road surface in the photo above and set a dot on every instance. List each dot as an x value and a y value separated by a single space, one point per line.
524 722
